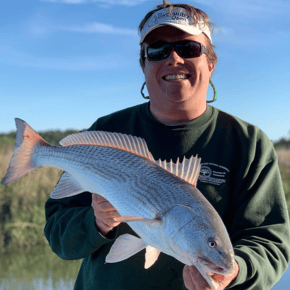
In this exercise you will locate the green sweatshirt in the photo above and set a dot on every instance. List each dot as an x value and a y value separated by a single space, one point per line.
239 176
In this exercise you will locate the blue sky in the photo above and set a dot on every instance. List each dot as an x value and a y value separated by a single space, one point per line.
64 63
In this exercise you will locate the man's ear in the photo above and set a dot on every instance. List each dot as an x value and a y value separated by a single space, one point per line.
211 67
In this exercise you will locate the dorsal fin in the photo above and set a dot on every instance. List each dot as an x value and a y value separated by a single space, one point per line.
129 143
187 170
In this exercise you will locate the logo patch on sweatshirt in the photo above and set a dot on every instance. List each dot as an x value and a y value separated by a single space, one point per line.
213 173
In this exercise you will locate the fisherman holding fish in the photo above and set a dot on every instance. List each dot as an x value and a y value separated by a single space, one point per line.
193 201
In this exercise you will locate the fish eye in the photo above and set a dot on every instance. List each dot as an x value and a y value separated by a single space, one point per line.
212 243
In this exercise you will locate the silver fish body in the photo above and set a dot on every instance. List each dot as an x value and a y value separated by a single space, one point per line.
159 200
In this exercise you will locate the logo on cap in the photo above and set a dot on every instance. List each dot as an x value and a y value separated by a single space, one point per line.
177 16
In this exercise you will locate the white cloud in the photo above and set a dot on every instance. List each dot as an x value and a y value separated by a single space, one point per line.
97 27
101 2
235 6
66 1
223 30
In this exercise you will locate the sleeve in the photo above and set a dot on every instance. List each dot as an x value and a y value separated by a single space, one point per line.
260 227
70 226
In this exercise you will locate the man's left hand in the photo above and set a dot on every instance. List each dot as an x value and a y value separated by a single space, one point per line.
193 280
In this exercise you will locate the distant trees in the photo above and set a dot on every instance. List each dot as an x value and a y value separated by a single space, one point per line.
283 142
54 136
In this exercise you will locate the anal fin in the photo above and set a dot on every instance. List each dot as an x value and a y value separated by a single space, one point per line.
151 256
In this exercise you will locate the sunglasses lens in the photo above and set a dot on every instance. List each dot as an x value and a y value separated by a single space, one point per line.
161 50
158 51
188 49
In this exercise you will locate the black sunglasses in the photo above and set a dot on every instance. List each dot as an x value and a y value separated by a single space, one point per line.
186 49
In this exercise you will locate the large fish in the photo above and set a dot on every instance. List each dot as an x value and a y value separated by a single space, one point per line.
158 199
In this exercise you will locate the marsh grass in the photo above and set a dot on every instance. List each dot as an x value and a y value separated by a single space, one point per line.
22 217
22 202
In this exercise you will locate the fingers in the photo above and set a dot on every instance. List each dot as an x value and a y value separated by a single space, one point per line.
108 219
104 214
104 228
97 200
225 280
101 204
218 277
104 206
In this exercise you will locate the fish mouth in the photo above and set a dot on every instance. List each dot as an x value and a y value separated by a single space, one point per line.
212 268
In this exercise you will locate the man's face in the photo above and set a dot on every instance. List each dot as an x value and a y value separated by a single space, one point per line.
191 90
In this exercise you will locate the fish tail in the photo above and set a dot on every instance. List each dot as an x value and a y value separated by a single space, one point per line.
27 140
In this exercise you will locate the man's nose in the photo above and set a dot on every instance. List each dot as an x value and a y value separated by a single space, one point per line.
174 58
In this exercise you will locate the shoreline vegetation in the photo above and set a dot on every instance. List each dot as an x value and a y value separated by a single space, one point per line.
22 217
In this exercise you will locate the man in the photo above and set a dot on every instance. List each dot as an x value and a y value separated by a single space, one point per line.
239 173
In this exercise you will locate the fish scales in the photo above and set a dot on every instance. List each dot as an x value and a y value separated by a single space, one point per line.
159 200
145 184
104 163
142 190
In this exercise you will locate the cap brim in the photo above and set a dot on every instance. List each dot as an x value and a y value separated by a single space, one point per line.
188 29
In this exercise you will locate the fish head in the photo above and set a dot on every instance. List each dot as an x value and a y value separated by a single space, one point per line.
215 256
196 240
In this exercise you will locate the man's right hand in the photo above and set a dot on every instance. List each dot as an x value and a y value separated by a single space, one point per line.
104 214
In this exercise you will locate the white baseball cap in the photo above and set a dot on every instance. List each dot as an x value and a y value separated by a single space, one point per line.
179 17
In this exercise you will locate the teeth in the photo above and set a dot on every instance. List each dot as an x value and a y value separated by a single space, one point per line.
175 77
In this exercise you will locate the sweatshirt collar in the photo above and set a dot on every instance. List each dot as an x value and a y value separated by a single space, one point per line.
203 119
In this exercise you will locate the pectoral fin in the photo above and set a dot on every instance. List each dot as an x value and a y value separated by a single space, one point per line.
125 247
151 256
67 186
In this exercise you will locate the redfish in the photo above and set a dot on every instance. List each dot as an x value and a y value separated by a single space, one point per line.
158 199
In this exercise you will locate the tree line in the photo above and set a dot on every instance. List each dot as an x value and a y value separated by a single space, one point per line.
54 136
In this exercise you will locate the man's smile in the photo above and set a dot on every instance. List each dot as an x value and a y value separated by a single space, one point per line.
176 77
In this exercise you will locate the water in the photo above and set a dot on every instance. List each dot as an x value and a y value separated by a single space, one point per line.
43 270
37 270
37 284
